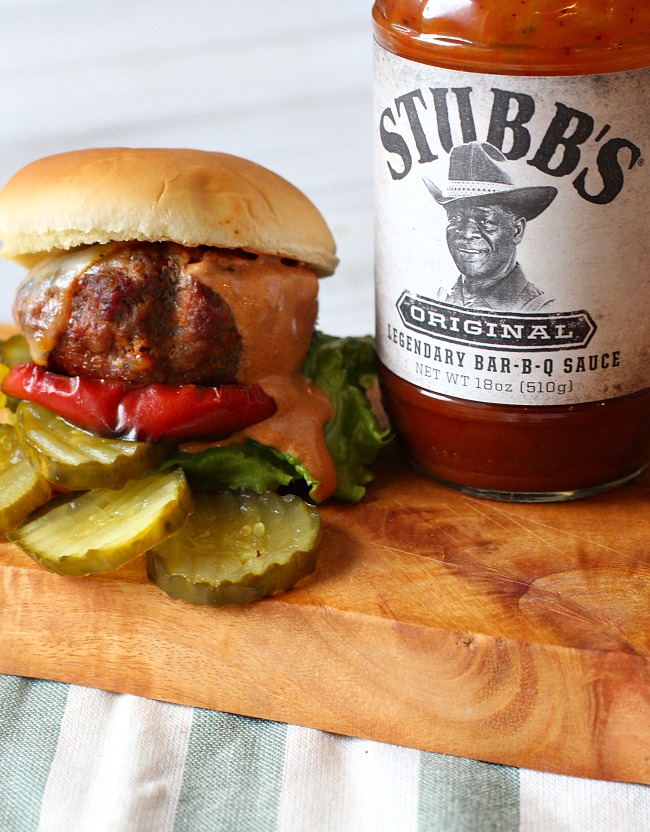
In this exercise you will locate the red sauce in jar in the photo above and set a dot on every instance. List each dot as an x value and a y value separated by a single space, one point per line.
518 37
506 451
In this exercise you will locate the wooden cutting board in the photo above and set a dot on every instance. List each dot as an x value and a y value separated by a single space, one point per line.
518 634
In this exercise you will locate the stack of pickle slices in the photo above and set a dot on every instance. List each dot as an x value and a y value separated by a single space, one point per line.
80 504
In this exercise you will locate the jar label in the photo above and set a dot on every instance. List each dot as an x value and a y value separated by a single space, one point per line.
512 224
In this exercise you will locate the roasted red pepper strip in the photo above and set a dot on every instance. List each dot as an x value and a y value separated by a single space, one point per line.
153 413
90 403
165 413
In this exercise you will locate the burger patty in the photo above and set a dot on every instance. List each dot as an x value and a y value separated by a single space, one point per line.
137 316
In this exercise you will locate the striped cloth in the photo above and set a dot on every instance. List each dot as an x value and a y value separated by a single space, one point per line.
79 760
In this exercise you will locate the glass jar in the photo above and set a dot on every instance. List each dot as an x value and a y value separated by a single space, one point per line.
512 254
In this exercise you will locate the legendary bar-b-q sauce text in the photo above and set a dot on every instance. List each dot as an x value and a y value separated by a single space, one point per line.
512 240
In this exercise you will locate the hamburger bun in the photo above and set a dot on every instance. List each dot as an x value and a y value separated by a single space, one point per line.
190 197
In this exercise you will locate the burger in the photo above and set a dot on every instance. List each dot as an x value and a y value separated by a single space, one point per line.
171 299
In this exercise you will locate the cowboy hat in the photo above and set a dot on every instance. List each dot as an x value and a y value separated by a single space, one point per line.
477 177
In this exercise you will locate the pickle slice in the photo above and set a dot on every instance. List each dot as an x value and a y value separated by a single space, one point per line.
22 488
4 399
237 547
99 531
14 350
76 459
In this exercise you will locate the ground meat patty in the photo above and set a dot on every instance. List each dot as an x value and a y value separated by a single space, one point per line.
137 316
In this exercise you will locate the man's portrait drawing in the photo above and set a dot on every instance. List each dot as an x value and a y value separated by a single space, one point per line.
487 216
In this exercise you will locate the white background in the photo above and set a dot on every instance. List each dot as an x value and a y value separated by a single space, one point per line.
284 83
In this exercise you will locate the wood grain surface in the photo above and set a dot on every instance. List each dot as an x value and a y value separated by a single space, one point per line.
517 634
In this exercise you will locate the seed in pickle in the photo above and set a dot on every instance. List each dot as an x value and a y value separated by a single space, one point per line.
99 531
79 460
237 547
22 488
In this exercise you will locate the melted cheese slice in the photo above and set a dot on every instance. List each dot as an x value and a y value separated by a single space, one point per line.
44 298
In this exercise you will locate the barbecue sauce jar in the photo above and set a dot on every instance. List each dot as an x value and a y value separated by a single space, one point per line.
512 241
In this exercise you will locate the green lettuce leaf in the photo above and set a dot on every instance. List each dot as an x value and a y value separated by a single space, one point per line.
251 465
344 369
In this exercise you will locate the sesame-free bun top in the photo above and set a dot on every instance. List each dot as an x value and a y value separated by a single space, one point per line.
191 197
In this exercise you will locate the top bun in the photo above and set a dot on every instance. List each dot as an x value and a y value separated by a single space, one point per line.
191 197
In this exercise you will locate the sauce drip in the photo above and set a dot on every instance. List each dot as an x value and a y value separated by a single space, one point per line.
275 307
297 427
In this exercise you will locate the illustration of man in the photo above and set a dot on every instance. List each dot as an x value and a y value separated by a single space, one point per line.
486 220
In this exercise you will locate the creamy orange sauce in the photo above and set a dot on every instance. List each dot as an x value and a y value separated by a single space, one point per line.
275 307
297 427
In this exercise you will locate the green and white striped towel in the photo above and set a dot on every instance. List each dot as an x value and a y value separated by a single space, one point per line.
79 760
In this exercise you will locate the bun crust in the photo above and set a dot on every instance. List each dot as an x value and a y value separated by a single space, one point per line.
191 197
